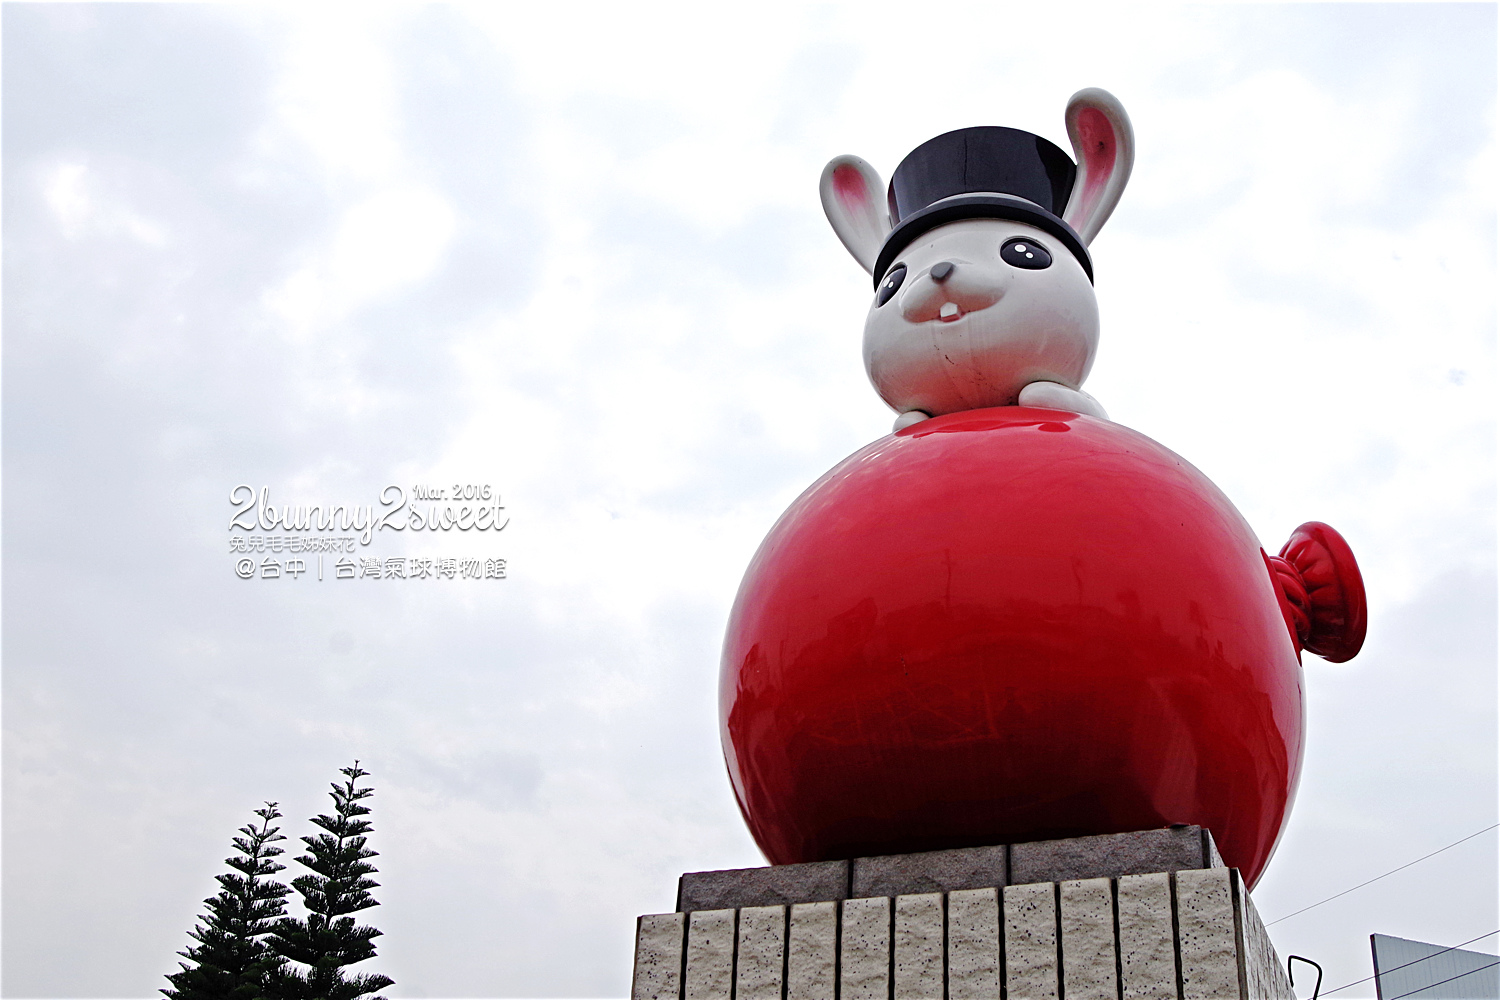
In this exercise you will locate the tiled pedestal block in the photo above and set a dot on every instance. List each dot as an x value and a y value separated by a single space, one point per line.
1190 932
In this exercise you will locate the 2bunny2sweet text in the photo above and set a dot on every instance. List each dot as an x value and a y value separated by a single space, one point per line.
254 512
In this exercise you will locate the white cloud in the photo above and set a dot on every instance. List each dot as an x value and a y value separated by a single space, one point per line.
383 244
82 213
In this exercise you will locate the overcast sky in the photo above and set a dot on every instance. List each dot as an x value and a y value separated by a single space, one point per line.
576 253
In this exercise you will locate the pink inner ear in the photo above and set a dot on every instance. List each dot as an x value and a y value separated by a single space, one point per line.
1098 140
850 186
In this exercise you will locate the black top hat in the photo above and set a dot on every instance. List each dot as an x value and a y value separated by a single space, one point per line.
987 172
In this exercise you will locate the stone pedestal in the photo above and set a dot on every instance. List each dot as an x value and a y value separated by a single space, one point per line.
1150 914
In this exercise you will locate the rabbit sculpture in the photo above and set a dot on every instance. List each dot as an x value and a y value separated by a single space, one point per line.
1013 619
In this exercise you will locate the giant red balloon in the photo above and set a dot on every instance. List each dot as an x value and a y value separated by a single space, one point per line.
1007 625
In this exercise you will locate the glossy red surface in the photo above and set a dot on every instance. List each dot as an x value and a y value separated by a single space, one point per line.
1006 625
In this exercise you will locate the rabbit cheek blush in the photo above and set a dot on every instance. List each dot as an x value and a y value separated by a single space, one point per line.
1014 620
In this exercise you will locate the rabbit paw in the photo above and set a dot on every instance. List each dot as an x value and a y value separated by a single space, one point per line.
908 418
1053 396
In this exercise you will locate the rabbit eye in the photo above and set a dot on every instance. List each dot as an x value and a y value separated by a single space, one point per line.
892 282
1025 253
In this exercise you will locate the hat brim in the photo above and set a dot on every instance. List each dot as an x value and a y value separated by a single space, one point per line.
979 206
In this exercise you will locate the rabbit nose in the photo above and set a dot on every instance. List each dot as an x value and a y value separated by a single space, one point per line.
950 289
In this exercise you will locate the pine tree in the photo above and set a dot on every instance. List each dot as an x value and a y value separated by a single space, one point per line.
229 960
328 941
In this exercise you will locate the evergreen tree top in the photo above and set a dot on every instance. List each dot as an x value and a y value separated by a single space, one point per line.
229 961
328 940
337 856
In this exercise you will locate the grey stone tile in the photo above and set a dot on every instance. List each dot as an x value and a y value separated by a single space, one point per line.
658 957
777 885
812 951
974 944
865 950
1265 974
1031 941
1205 935
1211 857
1148 960
758 959
710 955
919 947
1107 856
1088 939
929 871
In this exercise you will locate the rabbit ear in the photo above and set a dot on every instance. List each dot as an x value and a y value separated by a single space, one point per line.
1105 146
854 201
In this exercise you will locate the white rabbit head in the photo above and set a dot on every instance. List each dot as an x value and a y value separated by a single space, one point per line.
983 283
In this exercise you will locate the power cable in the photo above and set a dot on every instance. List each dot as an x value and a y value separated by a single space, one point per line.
1414 961
1377 878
